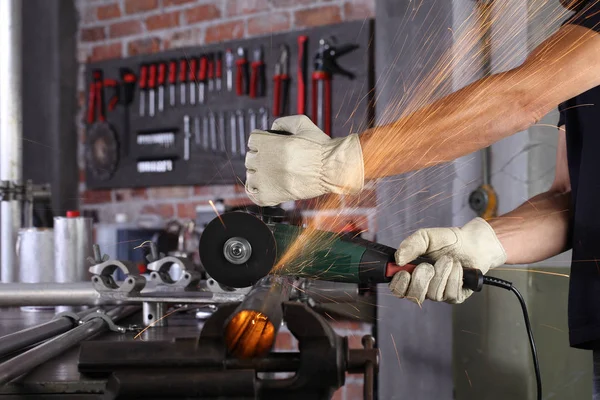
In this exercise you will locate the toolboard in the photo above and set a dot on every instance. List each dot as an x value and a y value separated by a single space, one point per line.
149 122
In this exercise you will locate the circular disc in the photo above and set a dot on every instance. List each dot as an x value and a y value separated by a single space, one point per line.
102 151
241 225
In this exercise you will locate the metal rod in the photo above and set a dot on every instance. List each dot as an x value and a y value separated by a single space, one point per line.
49 294
11 131
36 334
23 363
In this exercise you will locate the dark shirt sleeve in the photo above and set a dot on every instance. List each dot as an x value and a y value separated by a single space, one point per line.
588 16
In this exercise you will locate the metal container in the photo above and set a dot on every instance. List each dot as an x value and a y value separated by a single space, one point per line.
35 250
72 246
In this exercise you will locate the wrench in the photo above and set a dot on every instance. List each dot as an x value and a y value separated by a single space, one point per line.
187 134
213 131
233 127
252 120
242 131
205 132
222 146
264 118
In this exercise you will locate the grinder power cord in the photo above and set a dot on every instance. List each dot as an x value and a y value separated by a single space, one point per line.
238 249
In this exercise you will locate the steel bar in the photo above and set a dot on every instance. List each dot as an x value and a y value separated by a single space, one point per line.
36 334
23 363
11 131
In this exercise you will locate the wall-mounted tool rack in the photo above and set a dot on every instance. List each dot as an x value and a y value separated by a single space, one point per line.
182 117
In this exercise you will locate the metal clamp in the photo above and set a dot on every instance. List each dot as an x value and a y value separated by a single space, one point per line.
102 275
162 272
68 314
111 324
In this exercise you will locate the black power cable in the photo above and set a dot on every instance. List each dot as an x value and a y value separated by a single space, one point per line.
501 283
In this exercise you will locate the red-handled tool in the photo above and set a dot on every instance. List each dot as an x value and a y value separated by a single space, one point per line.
114 99
95 98
182 80
143 87
172 81
257 81
192 80
281 80
202 76
162 72
151 89
219 71
301 81
211 72
242 75
325 68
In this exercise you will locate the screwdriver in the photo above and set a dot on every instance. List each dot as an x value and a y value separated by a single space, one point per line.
162 69
143 84
219 71
211 72
202 78
172 80
182 80
192 80
229 66
152 86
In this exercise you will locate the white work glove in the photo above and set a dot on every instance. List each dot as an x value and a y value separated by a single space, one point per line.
303 165
475 245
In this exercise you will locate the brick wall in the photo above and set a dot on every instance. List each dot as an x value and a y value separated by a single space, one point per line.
120 28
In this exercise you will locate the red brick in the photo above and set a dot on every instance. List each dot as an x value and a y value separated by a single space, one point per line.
143 46
93 34
359 9
365 199
131 194
318 16
108 11
269 23
337 223
353 390
215 190
327 201
169 192
96 196
339 394
164 210
169 3
187 210
204 12
245 7
290 3
136 6
125 28
162 21
82 175
106 51
240 202
223 32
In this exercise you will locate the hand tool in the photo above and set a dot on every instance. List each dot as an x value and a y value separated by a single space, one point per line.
257 79
222 131
281 81
154 166
238 249
241 131
114 99
143 85
162 71
205 132
95 98
186 139
326 67
202 74
163 139
211 72
213 130
242 77
251 120
197 132
182 81
126 95
152 90
229 68
172 81
302 65
233 133
192 80
219 71
264 118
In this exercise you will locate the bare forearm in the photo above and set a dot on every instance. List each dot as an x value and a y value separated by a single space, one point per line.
536 230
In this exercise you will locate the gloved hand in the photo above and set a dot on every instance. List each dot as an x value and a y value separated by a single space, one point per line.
303 165
475 245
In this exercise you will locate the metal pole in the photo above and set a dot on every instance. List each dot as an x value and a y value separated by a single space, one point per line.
50 294
11 131
36 334
25 362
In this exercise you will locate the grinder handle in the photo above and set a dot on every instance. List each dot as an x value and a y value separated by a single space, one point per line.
472 277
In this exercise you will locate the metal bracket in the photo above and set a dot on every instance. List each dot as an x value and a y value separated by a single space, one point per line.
161 272
68 314
111 324
103 280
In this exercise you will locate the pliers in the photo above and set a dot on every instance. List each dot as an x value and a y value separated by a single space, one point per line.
281 83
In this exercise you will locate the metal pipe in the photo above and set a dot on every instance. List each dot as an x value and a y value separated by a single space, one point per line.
50 294
36 334
11 131
23 363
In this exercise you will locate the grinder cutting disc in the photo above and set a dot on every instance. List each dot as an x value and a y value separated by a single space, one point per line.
237 249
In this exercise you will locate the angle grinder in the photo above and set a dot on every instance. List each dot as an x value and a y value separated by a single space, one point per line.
237 249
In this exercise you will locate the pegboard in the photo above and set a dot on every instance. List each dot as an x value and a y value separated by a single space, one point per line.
159 142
